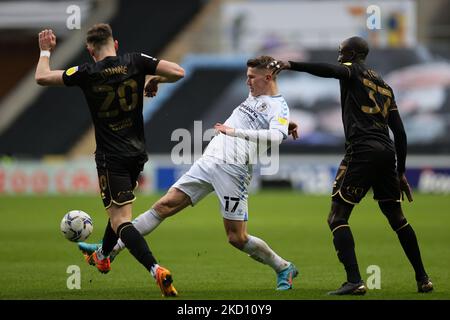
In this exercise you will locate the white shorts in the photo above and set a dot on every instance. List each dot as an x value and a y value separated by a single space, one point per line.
230 182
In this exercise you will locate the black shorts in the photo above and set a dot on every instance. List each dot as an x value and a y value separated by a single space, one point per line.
370 168
117 177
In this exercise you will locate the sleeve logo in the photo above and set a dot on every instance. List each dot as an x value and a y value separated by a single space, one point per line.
71 71
283 121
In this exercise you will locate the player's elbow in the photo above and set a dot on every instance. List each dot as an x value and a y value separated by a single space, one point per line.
40 80
178 73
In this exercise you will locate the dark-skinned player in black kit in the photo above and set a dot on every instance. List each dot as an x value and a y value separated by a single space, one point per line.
372 159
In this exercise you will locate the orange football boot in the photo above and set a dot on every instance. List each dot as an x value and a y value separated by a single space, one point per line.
104 266
164 281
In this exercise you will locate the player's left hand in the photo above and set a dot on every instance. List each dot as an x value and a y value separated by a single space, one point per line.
405 188
151 87
293 130
277 66
219 127
47 40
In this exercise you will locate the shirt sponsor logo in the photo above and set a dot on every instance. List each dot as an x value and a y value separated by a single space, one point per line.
248 111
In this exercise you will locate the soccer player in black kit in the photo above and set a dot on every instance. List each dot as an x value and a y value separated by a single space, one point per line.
113 86
371 159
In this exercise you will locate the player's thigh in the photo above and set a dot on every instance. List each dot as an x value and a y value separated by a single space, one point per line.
119 214
386 184
193 187
353 179
231 186
116 185
135 168
172 202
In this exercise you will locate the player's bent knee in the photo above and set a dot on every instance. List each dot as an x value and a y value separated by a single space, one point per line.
236 240
394 213
339 214
335 223
164 208
170 203
117 221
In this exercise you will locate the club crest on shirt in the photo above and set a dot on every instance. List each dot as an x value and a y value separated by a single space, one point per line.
262 107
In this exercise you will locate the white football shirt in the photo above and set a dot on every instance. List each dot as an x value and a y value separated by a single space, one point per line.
255 113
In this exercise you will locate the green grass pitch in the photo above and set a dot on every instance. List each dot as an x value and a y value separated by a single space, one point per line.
34 256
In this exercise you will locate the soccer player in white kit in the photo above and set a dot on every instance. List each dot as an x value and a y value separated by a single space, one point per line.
226 168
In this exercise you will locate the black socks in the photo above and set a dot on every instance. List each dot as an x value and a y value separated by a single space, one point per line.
409 243
109 240
136 244
345 249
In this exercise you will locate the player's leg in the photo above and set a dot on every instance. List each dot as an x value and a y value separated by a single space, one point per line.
386 189
114 187
231 186
171 203
188 190
408 240
344 245
120 217
258 249
348 189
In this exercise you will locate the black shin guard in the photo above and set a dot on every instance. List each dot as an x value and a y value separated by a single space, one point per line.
136 244
109 240
345 248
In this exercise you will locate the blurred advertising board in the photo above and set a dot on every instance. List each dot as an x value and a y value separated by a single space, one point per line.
80 177
56 177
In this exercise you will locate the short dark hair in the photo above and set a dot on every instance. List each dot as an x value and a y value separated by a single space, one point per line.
261 62
99 34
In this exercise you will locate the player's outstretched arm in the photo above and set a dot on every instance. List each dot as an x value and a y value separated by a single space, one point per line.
268 135
44 75
324 70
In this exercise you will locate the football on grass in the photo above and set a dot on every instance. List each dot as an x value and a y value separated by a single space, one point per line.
76 225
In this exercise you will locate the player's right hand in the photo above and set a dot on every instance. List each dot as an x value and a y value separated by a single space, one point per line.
405 188
293 130
47 40
151 87
277 66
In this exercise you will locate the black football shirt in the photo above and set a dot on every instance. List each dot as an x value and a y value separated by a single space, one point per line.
366 103
114 89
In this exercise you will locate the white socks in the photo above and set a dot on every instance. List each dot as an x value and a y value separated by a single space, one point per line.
144 223
255 247
153 270
261 252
